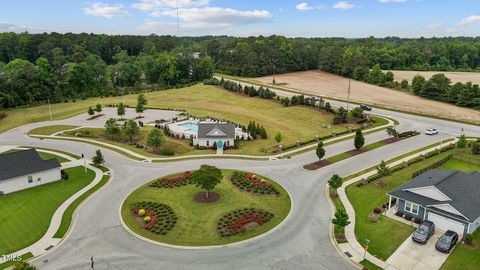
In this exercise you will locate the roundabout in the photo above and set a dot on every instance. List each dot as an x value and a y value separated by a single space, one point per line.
173 211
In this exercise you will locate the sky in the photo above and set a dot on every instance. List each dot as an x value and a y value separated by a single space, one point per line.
300 18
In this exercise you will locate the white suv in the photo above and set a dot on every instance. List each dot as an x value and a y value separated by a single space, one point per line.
431 131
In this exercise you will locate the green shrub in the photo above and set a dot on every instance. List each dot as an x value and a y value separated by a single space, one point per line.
167 152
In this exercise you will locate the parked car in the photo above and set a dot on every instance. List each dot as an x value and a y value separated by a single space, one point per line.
365 107
431 131
424 232
447 241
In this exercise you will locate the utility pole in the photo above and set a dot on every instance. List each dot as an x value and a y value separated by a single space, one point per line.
50 110
348 95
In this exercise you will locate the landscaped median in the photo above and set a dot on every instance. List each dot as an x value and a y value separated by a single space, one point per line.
354 152
172 210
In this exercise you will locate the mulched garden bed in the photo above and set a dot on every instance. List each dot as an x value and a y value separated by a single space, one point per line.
352 153
242 220
173 181
162 217
251 183
201 197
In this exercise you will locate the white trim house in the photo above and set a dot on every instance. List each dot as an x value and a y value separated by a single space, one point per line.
25 169
210 135
450 199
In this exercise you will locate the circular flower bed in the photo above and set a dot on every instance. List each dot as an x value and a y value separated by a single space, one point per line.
173 181
251 183
241 220
157 218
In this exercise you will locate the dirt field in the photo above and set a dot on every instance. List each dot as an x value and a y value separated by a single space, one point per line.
329 85
455 77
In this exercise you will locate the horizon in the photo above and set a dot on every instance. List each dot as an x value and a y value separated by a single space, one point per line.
352 19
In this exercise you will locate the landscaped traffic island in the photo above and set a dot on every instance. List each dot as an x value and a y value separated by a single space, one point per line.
177 210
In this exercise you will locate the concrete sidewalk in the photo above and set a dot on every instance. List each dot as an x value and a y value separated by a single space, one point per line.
353 247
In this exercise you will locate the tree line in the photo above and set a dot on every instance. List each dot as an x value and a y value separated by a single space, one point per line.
34 67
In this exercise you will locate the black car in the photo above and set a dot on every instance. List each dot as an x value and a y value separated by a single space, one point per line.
424 232
447 241
365 107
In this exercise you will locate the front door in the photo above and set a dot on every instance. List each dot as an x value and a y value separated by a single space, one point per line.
220 144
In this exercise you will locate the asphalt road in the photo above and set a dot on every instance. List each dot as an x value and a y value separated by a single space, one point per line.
302 242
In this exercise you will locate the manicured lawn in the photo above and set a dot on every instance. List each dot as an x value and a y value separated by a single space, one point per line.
180 147
68 214
46 156
49 130
295 123
369 265
197 222
463 257
26 214
386 235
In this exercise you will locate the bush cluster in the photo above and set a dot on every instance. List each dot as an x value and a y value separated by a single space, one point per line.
173 181
234 222
249 183
407 133
162 216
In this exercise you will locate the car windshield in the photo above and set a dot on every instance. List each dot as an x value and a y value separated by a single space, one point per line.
422 230
445 239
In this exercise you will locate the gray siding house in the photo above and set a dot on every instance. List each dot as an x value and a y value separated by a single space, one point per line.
450 199
212 135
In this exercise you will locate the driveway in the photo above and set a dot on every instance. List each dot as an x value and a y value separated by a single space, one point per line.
413 256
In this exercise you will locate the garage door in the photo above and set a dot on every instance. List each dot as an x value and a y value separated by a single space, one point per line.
444 223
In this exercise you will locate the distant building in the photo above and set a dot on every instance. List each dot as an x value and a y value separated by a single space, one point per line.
450 199
25 169
216 135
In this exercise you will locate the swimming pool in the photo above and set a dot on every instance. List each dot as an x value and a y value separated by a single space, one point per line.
190 126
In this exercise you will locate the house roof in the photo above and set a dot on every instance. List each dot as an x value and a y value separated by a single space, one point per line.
216 130
24 162
463 189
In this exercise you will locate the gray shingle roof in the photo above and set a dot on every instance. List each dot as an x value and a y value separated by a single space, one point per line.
463 188
226 128
24 162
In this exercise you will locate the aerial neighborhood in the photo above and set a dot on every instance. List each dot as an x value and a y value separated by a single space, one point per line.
192 134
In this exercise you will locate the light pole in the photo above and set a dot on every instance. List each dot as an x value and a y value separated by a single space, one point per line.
348 95
50 110
84 163
366 248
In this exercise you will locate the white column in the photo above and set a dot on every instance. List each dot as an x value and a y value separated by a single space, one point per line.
389 202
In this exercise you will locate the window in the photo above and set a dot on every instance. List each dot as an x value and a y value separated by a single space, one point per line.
30 179
411 208
39 179
228 143
208 143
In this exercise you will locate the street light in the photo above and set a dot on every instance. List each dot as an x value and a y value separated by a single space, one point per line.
366 248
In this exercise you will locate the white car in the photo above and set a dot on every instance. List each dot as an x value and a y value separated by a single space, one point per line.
431 131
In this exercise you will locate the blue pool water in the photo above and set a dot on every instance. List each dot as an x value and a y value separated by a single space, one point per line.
192 127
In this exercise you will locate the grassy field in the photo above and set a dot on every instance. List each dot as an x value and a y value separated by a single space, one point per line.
50 130
197 222
295 123
68 214
463 257
26 214
365 199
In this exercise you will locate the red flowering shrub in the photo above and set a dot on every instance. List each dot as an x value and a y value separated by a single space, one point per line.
162 217
173 181
236 222
248 182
